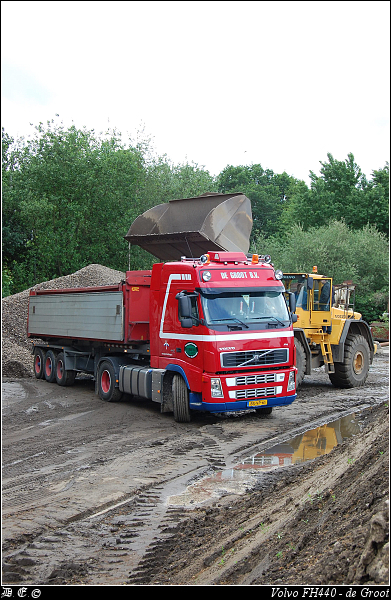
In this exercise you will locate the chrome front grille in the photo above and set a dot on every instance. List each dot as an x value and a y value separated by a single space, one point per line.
255 379
256 393
252 358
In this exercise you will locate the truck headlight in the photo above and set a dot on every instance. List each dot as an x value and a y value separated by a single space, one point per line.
291 382
216 390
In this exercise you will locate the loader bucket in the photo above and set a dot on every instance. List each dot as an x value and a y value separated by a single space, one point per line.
194 226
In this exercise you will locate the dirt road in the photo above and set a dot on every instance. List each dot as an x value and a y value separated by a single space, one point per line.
98 493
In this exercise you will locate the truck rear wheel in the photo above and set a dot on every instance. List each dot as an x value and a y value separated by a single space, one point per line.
50 366
180 399
106 383
63 377
301 362
39 363
353 372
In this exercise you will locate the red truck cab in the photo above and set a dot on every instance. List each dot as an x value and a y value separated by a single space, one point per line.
222 323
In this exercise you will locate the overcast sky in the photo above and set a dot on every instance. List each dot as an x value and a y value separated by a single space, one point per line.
215 83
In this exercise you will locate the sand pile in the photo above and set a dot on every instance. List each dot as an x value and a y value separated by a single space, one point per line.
16 347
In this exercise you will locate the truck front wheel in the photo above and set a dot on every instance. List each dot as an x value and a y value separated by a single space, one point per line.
106 383
49 367
301 362
353 371
180 400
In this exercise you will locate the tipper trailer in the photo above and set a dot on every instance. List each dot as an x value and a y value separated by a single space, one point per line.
212 333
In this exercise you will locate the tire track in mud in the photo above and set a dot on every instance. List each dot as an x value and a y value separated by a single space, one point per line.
123 534
122 541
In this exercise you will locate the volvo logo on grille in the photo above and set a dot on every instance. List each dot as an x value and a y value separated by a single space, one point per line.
255 357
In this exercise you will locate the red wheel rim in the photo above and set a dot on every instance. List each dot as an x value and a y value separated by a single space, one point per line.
60 369
48 367
105 382
37 364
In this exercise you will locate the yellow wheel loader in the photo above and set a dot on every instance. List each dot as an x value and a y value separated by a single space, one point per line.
328 331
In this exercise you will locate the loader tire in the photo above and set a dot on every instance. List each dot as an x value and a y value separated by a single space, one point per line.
353 372
63 377
301 362
106 383
180 399
39 363
50 366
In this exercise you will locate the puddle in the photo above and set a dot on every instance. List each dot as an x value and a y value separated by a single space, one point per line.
238 479
11 392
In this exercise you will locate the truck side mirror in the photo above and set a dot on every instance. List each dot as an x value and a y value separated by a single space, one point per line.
184 310
184 305
292 302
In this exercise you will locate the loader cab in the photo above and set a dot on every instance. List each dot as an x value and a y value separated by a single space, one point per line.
313 295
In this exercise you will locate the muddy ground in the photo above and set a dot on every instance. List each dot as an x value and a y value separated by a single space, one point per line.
107 494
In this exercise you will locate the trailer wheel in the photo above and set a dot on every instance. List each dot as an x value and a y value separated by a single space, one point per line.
63 377
106 383
301 362
180 398
353 372
39 363
50 366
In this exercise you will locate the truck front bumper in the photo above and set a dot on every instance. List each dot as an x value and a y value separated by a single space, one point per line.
196 403
245 391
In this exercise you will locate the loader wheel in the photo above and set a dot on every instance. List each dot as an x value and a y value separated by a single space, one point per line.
106 383
301 362
353 372
180 400
39 363
63 377
50 366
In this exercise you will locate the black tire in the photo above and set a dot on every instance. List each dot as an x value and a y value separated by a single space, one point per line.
180 400
264 412
63 377
301 362
353 372
50 366
39 363
106 383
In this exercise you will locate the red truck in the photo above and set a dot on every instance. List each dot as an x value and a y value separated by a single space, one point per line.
212 333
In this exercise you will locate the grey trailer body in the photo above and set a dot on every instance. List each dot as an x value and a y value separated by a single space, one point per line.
87 315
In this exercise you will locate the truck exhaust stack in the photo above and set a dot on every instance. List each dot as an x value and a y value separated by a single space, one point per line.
194 226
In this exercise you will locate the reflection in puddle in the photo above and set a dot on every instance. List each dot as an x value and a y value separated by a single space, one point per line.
306 446
302 448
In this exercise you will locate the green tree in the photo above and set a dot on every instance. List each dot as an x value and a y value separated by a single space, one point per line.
341 253
269 193
341 191
72 197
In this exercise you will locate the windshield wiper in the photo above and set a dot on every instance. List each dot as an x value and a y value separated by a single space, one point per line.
231 319
271 317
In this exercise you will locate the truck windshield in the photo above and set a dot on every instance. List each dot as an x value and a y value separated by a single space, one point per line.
250 309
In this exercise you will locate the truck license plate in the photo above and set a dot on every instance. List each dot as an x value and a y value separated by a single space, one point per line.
257 402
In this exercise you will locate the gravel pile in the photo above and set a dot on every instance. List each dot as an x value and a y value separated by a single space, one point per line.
16 347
